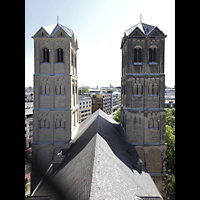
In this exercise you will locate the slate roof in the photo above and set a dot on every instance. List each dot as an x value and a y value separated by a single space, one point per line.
146 29
53 28
100 164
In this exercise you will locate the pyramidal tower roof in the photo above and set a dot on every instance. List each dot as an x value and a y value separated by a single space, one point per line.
53 28
144 28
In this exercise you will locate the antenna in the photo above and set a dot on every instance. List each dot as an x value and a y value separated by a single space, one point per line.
57 19
140 18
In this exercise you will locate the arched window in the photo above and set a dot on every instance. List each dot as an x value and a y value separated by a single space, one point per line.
57 89
62 124
59 55
137 54
72 58
57 123
75 61
45 55
62 89
46 123
42 123
47 88
152 54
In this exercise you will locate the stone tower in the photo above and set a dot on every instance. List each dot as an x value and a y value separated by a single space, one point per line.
55 115
143 97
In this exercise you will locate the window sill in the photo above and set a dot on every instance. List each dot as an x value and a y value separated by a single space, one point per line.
153 63
137 95
45 63
137 63
59 62
153 95
153 128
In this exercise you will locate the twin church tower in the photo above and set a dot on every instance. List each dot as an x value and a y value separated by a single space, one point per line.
55 115
143 97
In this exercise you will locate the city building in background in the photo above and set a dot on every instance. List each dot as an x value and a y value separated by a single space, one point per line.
28 124
101 101
115 101
85 108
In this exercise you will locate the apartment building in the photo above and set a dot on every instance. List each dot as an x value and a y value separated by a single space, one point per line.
115 101
102 101
85 109
28 124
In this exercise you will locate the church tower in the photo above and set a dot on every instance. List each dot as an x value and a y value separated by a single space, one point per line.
55 114
143 97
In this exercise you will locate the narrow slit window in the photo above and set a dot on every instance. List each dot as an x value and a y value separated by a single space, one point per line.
137 55
45 55
59 55
152 54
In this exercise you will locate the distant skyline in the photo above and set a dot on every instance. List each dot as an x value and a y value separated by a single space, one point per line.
99 26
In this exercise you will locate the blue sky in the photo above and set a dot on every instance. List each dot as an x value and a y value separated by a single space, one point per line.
99 26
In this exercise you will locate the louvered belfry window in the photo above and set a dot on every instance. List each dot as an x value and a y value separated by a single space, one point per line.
45 55
137 55
59 55
152 54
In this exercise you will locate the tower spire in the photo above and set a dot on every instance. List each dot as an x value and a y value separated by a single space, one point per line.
140 18
57 19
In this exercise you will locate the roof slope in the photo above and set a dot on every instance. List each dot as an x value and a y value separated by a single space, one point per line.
144 28
100 165
53 28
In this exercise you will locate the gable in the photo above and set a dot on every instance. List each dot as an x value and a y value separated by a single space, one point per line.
156 32
137 33
41 33
60 33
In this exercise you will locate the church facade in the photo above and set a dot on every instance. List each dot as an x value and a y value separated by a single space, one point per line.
143 96
55 118
55 114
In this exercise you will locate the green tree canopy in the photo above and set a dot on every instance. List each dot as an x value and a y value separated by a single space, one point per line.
116 116
170 117
83 89
170 140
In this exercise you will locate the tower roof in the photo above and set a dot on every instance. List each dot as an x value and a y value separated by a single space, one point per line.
52 29
145 28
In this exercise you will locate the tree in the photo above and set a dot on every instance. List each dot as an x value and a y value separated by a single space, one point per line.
170 140
171 186
116 116
83 89
170 117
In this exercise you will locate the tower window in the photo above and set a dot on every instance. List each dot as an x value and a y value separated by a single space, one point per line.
137 55
59 55
45 55
72 58
75 61
152 54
